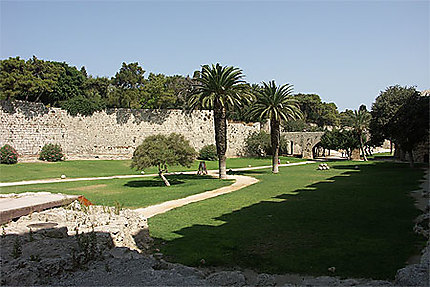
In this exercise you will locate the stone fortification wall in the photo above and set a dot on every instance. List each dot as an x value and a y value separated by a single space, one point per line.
115 132
302 143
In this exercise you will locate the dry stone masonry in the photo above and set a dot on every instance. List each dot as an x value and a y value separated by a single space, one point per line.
115 132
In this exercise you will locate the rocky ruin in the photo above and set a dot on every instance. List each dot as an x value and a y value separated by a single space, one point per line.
80 245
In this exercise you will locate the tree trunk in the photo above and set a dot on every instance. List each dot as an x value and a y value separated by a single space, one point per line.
274 137
166 182
362 148
220 123
411 158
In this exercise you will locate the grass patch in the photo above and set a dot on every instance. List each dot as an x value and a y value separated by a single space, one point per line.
302 221
131 193
95 168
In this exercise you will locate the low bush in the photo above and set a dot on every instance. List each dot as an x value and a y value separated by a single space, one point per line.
8 154
208 152
51 152
258 144
83 105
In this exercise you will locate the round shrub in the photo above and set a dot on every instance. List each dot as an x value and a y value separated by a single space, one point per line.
258 144
208 152
51 152
8 155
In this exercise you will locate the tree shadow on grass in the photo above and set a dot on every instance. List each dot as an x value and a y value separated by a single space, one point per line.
345 221
173 180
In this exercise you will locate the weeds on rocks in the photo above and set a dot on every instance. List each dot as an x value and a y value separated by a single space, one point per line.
118 207
30 236
34 258
87 249
17 249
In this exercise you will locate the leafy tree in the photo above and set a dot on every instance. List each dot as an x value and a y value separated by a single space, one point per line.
30 81
128 86
69 84
13 74
82 105
384 109
218 88
317 112
340 139
97 86
346 118
156 94
327 115
275 103
410 124
309 105
295 126
361 120
162 151
181 88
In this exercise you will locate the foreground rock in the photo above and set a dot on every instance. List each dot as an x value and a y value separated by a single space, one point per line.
105 246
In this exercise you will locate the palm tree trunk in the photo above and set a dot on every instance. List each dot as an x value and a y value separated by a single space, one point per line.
411 158
362 148
274 137
220 122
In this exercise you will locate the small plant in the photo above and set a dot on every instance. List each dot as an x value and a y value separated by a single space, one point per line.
8 155
208 152
107 268
52 153
17 249
118 207
87 249
30 235
34 258
258 144
3 231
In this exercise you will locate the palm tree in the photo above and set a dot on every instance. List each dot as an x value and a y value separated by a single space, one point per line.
361 122
275 103
219 88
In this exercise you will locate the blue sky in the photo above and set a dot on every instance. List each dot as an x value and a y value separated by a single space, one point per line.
345 51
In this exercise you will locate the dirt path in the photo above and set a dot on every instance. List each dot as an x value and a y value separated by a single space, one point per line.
241 182
54 180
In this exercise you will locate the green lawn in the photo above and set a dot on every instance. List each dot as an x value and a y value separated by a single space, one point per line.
302 221
131 193
93 168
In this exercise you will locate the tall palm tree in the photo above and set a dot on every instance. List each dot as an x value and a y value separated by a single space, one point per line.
361 120
218 88
275 103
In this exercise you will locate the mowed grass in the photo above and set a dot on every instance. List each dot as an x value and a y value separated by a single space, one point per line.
96 168
302 221
131 193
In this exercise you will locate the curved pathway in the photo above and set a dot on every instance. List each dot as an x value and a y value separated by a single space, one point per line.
54 180
241 182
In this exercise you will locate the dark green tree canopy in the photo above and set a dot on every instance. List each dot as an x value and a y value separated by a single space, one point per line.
385 108
410 124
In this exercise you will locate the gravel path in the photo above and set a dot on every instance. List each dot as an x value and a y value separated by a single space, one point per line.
241 182
54 180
